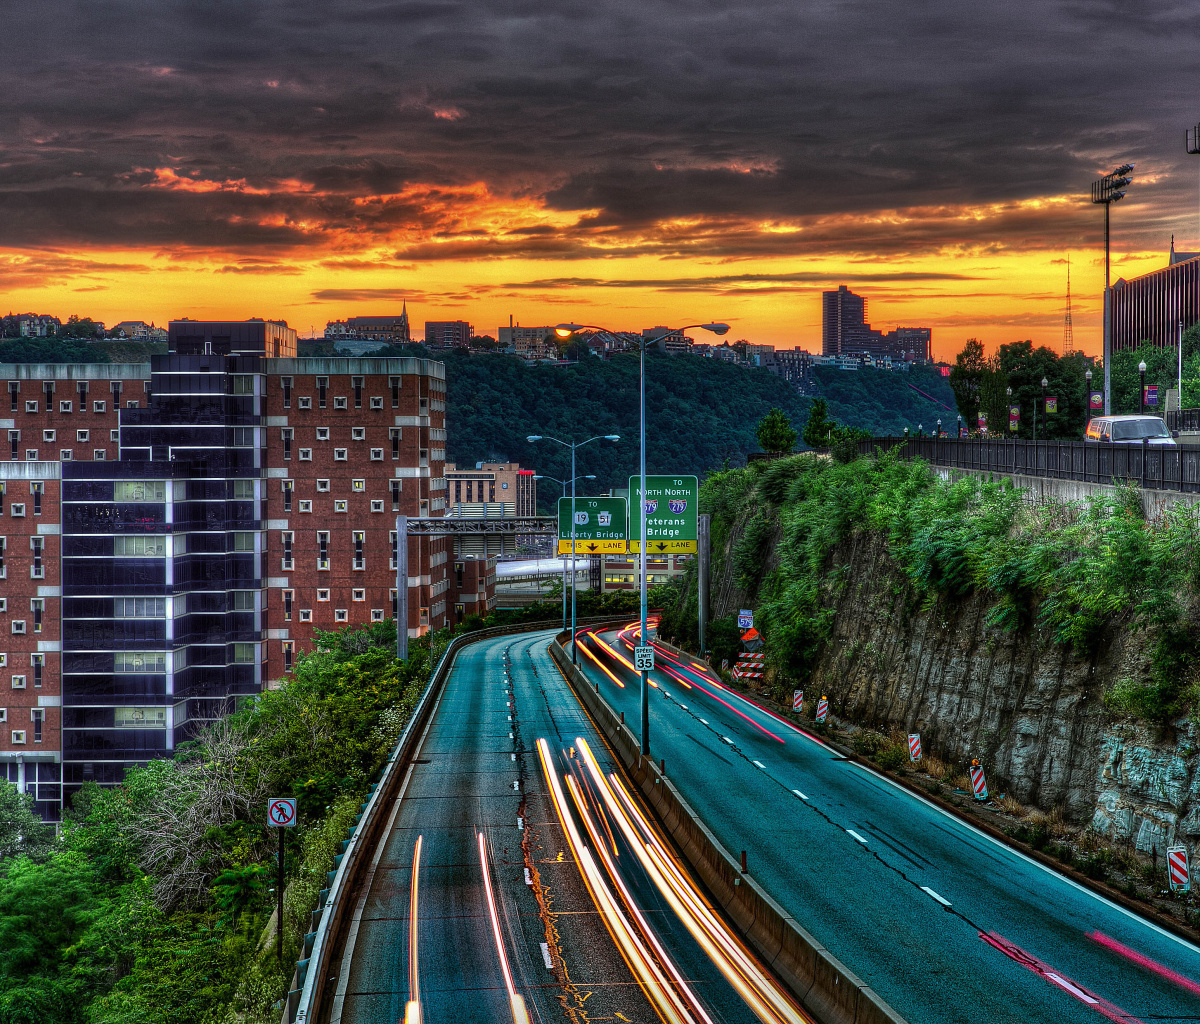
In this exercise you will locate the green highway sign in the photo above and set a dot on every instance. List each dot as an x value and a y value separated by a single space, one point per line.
671 504
599 526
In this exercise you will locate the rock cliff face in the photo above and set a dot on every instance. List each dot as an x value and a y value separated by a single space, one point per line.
1032 711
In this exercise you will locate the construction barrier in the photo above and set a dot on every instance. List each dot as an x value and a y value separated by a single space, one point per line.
822 709
978 782
826 988
749 666
798 702
1178 869
914 747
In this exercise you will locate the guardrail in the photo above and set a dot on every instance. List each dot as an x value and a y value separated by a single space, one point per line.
1165 467
1184 419
304 1003
825 986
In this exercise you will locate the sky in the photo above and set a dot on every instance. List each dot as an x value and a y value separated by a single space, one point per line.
624 164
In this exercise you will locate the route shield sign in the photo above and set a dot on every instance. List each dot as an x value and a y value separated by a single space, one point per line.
600 525
281 812
670 504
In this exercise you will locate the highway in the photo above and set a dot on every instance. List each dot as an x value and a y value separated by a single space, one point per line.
944 923
498 922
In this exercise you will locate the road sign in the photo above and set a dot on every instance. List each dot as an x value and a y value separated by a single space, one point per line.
281 812
914 747
978 782
1177 869
798 702
670 505
746 618
600 525
643 659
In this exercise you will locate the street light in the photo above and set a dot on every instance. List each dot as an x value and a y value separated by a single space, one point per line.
1142 376
939 432
565 331
960 426
579 444
542 476
1045 384
1087 398
1106 191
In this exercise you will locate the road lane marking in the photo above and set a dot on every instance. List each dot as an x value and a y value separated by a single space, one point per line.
703 721
857 836
684 706
546 955
941 899
726 739
1075 990
799 794
528 877
760 764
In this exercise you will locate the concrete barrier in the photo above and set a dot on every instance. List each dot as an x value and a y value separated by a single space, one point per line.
824 986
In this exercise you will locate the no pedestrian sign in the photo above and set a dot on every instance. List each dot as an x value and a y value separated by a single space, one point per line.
670 505
281 812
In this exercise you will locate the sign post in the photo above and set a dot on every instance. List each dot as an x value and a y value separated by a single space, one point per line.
281 814
670 505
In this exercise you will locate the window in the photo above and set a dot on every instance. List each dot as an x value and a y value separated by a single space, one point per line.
322 549
65 406
3 604
31 455
81 435
242 384
306 615
115 387
37 662
339 455
99 454
359 595
395 495
376 506
18 682
48 435
140 661
358 485
140 490
18 736
376 614
322 485
339 403
99 406
288 595
305 505
243 490
132 405
3 660
306 455
65 454
37 571
392 541
287 495
18 626
340 615
376 454
37 607
243 437
243 654
17 509
358 433
140 718
37 488
14 436
394 434
14 389
287 551
286 434
82 387
31 406
322 388
3 714
322 433
286 384
423 457
140 547
357 384
394 384
360 539
322 595
423 406
304 402
3 568
243 600
340 505
243 541
377 403
140 607
289 647
48 387
114 435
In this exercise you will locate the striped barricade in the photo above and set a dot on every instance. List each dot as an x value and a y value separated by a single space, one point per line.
749 666
1178 870
914 747
822 708
978 781
798 702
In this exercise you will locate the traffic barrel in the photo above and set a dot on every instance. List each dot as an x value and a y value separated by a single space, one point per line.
978 782
798 702
914 747
822 708
1178 869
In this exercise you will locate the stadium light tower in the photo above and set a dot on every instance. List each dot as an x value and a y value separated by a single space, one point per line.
1106 191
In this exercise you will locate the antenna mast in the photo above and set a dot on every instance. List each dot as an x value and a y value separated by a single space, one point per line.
1068 330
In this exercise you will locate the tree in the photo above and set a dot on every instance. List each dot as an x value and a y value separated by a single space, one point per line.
966 379
1025 367
1161 369
21 830
80 327
819 425
775 433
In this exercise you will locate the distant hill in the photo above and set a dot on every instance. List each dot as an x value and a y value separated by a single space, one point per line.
884 402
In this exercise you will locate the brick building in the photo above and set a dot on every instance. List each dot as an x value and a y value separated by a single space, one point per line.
448 334
213 507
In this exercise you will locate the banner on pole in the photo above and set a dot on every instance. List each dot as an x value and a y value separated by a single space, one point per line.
1051 403
1152 394
1014 417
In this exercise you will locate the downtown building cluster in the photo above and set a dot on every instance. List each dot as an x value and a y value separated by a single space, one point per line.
172 533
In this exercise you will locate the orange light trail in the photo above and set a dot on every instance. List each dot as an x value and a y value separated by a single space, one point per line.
602 668
515 1002
412 1009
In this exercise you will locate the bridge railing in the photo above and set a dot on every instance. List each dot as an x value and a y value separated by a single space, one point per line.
1163 467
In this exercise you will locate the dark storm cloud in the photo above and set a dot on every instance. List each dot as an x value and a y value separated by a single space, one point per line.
633 113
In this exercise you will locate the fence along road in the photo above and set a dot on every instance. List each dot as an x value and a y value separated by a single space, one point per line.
945 924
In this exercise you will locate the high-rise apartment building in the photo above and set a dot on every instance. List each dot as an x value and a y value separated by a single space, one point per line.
172 533
448 334
846 332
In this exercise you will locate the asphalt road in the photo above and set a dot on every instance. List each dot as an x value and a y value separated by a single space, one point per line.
478 771
868 868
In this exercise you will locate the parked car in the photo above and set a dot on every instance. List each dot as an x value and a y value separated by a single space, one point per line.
1129 430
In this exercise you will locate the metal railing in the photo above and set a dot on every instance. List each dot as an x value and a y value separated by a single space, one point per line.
1163 467
1184 419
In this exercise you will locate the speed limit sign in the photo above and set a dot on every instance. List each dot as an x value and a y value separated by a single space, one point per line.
281 812
643 659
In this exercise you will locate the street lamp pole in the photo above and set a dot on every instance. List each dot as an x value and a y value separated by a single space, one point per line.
1142 387
1108 190
565 331
541 476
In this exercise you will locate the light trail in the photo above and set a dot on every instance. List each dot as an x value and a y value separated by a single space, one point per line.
1144 961
761 992
412 1009
658 990
604 669
515 1002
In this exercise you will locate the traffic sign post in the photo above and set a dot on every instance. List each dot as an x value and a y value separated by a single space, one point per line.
670 506
600 526
281 814
643 659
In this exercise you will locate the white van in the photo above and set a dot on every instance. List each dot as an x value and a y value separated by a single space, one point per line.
1129 430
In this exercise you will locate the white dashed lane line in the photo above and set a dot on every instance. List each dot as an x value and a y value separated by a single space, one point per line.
857 836
799 794
941 899
760 765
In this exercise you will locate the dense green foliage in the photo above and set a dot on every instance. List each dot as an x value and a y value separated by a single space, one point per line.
1071 574
50 350
774 432
884 402
151 907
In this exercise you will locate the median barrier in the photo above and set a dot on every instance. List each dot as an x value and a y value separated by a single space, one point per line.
825 987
